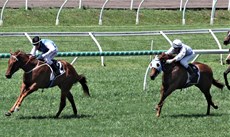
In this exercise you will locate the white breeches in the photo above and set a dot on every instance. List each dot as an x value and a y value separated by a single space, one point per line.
48 58
186 60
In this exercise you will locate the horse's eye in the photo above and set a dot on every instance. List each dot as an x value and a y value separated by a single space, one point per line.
158 65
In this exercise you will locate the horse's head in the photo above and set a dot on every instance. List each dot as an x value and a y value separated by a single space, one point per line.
158 64
227 38
155 67
14 63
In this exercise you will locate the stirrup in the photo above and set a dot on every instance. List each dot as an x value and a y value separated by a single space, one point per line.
193 78
57 73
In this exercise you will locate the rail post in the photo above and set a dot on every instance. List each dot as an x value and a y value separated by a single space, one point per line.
213 11
59 11
102 9
138 10
1 18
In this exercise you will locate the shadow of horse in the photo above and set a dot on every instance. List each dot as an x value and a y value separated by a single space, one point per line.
194 115
82 116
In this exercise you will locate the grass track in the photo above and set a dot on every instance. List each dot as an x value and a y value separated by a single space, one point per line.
118 106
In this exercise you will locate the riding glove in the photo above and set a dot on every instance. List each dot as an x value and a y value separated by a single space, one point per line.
169 61
39 57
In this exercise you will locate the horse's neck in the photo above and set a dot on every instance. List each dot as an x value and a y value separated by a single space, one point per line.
30 64
168 68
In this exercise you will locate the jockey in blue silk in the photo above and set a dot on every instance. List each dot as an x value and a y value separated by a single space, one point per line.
49 51
184 55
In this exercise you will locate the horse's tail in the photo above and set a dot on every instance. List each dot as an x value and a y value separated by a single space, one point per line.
83 83
217 84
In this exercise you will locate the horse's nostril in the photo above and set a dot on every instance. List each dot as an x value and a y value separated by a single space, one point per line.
152 77
8 76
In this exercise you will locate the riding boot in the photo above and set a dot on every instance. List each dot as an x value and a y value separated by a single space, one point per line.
55 69
191 73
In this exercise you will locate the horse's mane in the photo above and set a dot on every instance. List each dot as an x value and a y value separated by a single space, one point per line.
19 51
22 53
164 56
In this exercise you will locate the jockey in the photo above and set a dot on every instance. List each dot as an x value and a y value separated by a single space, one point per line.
49 51
184 55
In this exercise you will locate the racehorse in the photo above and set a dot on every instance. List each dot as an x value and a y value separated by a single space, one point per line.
37 76
226 42
175 77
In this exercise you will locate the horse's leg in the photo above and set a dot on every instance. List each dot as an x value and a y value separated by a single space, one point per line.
23 88
164 94
208 97
225 77
62 103
210 102
71 100
24 92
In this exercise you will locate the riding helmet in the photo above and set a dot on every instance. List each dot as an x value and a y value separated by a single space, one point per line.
36 40
177 43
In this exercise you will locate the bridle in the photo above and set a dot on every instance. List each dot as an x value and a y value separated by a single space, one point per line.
37 66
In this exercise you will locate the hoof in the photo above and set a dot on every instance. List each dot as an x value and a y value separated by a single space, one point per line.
216 107
7 114
157 115
228 87
16 109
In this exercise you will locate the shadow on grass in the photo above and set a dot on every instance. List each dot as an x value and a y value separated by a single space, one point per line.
60 117
195 115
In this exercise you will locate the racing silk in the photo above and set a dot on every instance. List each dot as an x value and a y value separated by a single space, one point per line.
183 52
46 47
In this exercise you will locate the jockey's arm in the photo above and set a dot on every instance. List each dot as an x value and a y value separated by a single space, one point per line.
33 51
170 51
51 48
181 54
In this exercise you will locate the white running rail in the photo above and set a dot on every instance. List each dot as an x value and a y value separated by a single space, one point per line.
138 10
59 11
102 9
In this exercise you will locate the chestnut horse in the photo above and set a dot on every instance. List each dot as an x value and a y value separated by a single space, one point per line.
226 42
37 75
175 77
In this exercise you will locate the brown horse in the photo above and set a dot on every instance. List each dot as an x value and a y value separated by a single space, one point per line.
226 42
37 75
175 77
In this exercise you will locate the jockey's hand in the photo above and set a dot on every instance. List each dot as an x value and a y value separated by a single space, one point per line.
39 57
31 56
169 61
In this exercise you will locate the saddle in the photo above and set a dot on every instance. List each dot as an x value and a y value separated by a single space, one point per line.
196 78
60 68
57 66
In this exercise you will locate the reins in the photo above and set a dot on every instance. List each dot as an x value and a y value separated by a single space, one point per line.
37 66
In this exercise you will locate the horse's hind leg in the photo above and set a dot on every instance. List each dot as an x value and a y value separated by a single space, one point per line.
225 77
62 103
209 100
71 100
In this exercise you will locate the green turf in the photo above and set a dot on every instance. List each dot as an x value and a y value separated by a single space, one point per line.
118 106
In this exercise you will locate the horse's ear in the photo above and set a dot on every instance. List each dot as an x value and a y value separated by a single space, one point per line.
19 52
